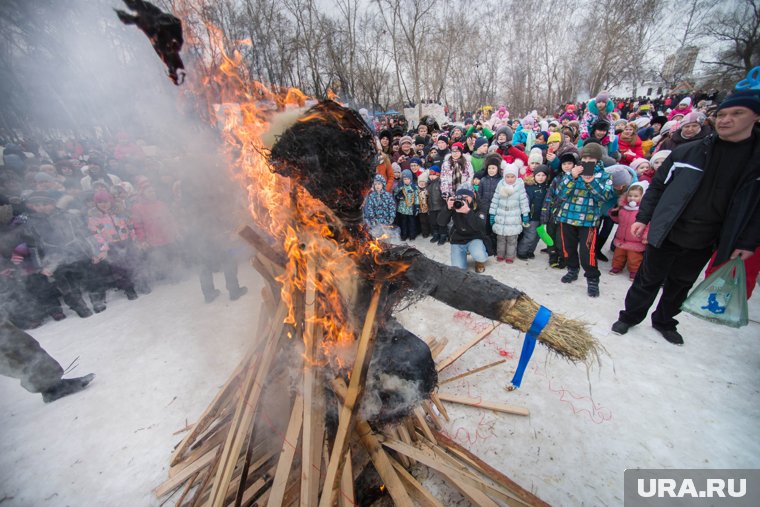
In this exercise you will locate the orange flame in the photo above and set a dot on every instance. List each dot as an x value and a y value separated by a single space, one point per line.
242 108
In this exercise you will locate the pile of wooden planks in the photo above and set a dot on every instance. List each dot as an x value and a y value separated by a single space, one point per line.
264 440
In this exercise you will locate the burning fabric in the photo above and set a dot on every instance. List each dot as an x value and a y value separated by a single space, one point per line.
164 31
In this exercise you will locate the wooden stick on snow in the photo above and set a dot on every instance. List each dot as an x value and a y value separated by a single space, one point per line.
480 403
464 348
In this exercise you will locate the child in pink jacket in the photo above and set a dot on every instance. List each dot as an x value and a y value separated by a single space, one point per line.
628 248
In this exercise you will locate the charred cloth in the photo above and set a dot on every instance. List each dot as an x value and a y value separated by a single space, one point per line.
164 31
331 153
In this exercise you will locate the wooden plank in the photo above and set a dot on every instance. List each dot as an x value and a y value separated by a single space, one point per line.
195 454
428 458
439 405
188 472
244 414
421 495
472 372
289 445
467 346
419 417
377 454
406 438
392 432
439 346
345 421
346 496
258 485
313 400
526 496
480 403
433 417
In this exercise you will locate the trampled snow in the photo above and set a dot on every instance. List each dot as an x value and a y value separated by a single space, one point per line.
160 360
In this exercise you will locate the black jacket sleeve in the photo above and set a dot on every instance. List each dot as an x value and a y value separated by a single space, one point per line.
654 192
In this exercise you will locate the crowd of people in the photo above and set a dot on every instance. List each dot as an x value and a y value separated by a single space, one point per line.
495 184
79 219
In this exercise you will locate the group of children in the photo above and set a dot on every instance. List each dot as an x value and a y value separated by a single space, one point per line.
567 190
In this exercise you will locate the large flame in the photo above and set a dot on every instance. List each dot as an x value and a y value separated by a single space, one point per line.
244 108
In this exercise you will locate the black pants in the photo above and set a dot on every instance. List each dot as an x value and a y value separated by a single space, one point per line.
22 357
407 225
679 268
424 224
605 228
441 230
224 261
572 237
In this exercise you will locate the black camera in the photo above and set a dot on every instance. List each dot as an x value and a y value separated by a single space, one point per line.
458 202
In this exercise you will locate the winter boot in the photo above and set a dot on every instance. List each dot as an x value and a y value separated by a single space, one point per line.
67 386
554 259
435 238
57 314
593 287
671 335
98 300
77 304
131 293
570 276
442 239
211 296
236 294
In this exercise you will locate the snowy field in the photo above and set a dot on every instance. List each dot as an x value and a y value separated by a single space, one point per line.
161 359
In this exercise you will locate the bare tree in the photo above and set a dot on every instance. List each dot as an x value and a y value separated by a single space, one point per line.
737 29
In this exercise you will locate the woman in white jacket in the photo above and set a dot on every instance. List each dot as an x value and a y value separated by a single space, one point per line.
509 213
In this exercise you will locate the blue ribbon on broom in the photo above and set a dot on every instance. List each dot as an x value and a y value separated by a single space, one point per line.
529 343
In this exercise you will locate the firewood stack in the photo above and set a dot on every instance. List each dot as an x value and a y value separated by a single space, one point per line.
293 425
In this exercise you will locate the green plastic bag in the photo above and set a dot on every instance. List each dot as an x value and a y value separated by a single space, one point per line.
721 298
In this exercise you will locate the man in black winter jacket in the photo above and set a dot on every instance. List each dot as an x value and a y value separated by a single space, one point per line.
468 232
704 197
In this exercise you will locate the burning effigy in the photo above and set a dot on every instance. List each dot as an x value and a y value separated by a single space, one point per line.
355 390
335 400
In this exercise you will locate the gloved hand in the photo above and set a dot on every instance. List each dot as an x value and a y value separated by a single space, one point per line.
526 221
492 219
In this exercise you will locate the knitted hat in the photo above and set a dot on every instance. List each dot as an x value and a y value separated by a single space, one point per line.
379 178
444 138
603 96
667 127
570 108
661 120
465 191
620 175
102 196
570 156
543 168
644 185
457 146
492 159
642 121
601 125
554 137
406 173
385 133
660 155
434 169
743 98
637 162
511 169
40 198
693 117
415 160
423 177
419 140
686 102
405 139
528 121
592 150
480 141
536 156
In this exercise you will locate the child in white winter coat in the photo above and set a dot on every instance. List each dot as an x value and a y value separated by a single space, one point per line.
509 213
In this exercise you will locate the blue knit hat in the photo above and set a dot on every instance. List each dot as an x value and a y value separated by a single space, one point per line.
743 98
434 169
406 173
480 141
415 160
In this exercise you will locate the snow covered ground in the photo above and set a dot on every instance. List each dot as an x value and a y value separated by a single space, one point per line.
161 359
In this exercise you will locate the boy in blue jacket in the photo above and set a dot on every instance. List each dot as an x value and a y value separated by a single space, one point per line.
582 199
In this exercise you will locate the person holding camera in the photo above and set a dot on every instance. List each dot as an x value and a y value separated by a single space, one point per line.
469 230
583 191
